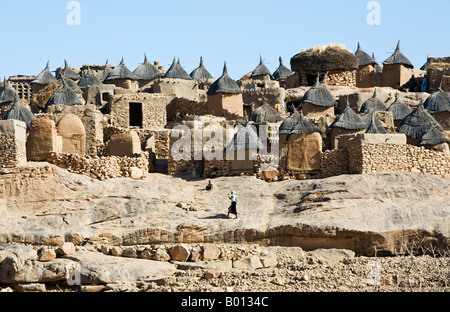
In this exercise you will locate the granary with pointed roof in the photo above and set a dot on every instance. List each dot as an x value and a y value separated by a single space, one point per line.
373 104
201 72
397 69
19 112
225 94
122 77
438 105
417 124
261 71
94 91
318 100
64 96
42 80
147 72
281 73
366 75
399 111
67 73
7 99
347 122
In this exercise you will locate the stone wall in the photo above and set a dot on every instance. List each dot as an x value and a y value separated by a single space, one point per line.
154 109
403 158
12 152
103 168
342 79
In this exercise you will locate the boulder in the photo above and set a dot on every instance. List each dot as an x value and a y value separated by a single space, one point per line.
97 268
161 255
47 255
211 252
268 260
34 287
116 251
331 256
179 253
14 270
210 274
65 249
129 252
250 263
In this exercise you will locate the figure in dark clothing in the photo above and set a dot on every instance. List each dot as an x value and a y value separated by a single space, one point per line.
412 84
232 208
209 187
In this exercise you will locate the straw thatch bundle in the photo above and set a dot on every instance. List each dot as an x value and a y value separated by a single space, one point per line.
321 60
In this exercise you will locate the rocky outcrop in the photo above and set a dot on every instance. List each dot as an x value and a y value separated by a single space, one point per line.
381 214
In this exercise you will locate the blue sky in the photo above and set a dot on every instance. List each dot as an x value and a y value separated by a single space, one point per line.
233 31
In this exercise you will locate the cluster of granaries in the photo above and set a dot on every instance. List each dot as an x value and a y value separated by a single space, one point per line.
83 103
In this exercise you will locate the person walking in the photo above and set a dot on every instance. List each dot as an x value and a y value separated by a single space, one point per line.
232 209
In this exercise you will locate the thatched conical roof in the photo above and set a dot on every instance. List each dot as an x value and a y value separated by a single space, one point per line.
176 71
147 71
73 85
64 96
224 84
398 58
290 122
373 105
261 70
121 72
434 137
364 58
19 112
418 123
319 95
304 126
245 138
265 113
399 109
437 102
45 77
374 125
282 72
67 73
348 119
89 80
200 72
329 59
8 94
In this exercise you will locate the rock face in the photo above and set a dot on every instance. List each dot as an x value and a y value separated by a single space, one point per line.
379 214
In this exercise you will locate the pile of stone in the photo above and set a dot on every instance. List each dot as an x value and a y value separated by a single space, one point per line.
102 167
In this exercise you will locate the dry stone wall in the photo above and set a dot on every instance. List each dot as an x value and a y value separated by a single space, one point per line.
103 168
12 151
